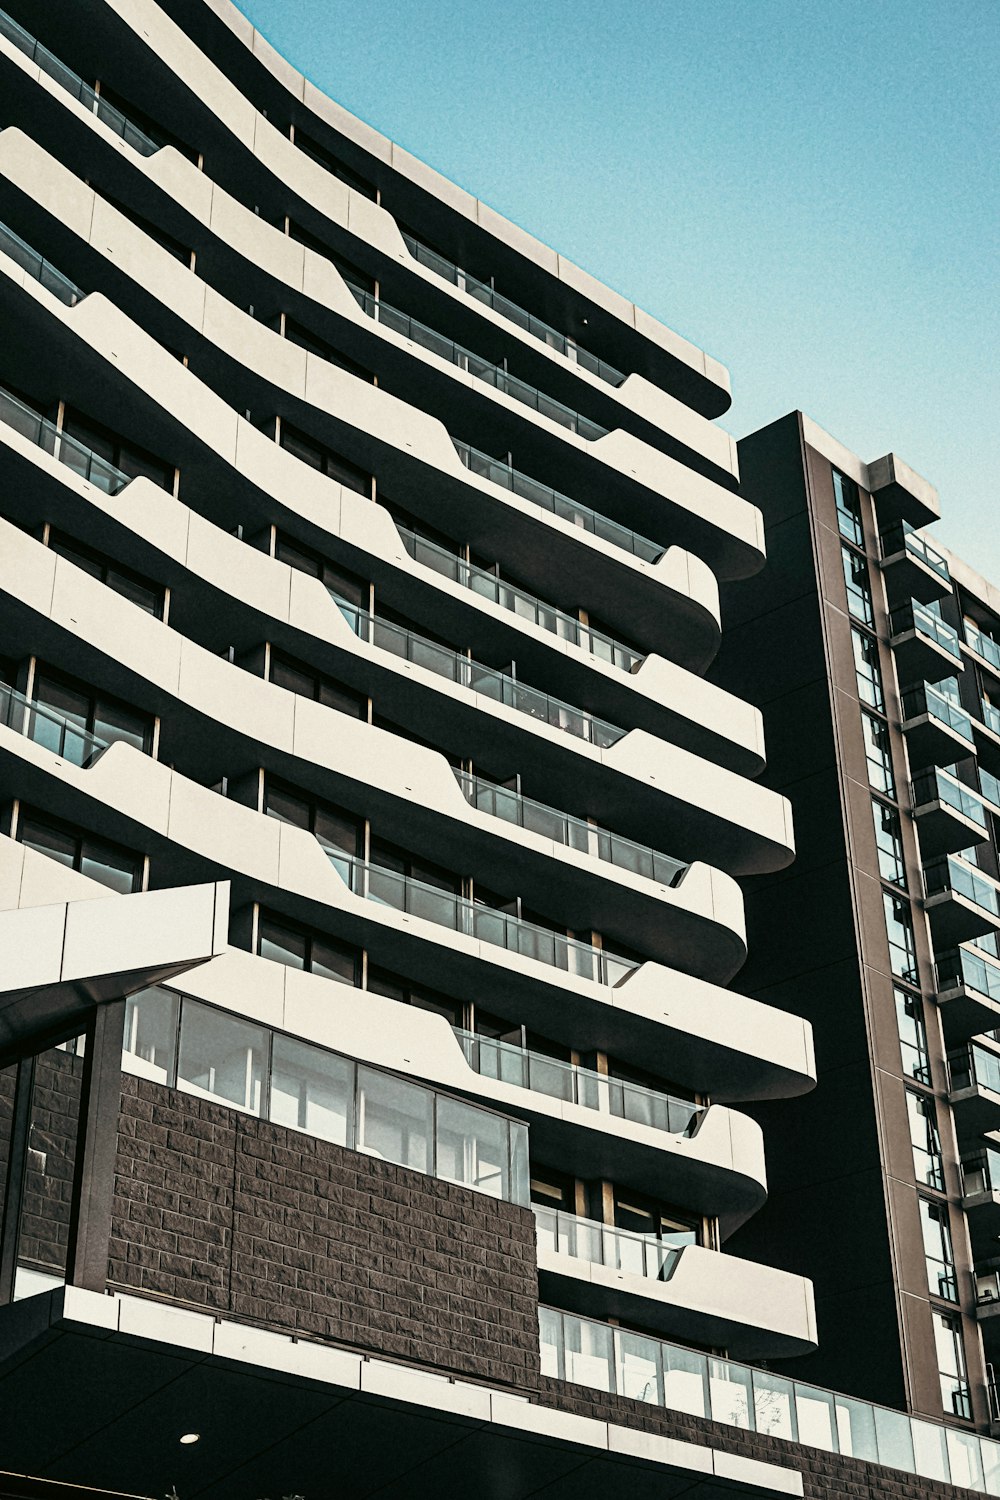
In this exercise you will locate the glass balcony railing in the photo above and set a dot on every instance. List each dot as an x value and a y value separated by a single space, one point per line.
962 967
447 909
922 699
75 85
491 683
936 785
951 874
991 715
575 833
981 1172
603 1245
902 538
984 645
483 292
559 504
989 785
29 260
82 460
974 1065
55 731
482 369
491 1057
612 1359
488 586
916 616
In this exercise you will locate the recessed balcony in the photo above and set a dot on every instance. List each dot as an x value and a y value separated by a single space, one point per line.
986 733
975 1089
981 1197
682 1290
968 996
912 568
950 815
901 493
923 644
984 648
938 730
961 902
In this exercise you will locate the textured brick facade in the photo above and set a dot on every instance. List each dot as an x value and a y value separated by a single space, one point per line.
825 1476
236 1214
8 1079
47 1203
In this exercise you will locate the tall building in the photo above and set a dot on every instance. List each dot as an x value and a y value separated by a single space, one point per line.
882 732
375 1113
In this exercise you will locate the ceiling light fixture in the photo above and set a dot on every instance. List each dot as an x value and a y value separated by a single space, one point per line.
191 1437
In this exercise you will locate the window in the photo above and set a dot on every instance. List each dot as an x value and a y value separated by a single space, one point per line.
312 1090
927 1163
150 1041
148 596
912 1036
342 584
133 461
859 594
472 1148
326 461
394 987
848 502
937 1249
222 1057
296 334
299 949
878 753
69 717
869 673
159 236
899 930
889 839
951 1365
394 1119
119 869
340 834
297 678
325 158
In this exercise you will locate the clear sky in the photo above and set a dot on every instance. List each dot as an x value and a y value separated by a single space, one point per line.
808 189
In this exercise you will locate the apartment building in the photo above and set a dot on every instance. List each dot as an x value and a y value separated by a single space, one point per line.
375 1109
883 734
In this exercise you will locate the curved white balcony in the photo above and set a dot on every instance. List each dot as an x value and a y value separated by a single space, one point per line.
688 1292
653 1015
650 788
199 87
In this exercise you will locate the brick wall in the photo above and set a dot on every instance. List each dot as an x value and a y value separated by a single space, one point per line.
8 1078
235 1214
825 1476
48 1176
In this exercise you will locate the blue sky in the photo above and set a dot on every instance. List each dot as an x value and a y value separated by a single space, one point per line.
809 191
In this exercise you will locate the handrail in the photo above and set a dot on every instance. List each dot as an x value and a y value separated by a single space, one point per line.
916 616
991 715
981 1171
613 1359
901 537
46 727
518 600
56 69
936 785
47 436
481 291
563 828
446 908
923 698
36 265
488 681
543 495
603 1244
984 645
475 364
950 874
492 1057
960 966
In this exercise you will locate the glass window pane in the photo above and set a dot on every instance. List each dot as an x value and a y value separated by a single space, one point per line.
221 1057
869 672
520 1173
334 960
965 1457
54 842
150 1041
283 944
848 503
114 722
912 1036
550 1339
878 754
889 839
855 1429
394 1119
859 597
115 868
638 1367
472 1147
895 1444
930 1455
589 1354
312 1090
